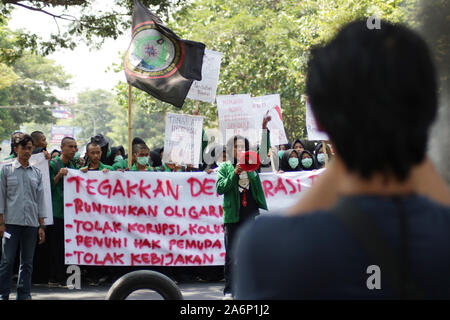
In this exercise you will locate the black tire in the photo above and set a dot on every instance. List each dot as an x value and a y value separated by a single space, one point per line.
144 279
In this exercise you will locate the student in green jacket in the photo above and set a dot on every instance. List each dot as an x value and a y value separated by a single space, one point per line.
118 154
141 153
96 274
243 197
94 153
55 236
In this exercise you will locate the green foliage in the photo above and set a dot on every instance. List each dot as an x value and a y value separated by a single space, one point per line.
35 77
265 46
93 106
266 43
92 24
148 118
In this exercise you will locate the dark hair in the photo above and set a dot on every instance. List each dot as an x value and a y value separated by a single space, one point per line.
140 146
284 162
63 141
137 140
156 159
100 139
368 87
232 142
12 136
55 150
24 141
95 144
36 134
314 164
318 149
298 141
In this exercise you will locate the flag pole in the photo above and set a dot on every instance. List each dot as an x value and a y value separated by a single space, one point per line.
130 128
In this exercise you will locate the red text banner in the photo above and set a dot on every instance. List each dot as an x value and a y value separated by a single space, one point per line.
163 219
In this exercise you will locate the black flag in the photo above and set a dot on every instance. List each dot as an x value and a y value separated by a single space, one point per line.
158 61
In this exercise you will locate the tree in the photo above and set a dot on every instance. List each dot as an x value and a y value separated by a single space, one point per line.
92 24
148 124
266 45
35 77
93 106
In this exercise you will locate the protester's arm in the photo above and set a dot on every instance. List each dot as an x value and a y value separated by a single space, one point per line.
40 198
84 169
226 178
41 231
47 155
265 139
56 176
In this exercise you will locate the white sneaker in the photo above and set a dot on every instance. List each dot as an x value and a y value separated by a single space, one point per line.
228 296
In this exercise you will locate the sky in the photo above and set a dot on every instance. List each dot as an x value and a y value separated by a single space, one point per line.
87 66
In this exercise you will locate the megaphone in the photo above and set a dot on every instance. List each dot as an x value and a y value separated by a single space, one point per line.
249 161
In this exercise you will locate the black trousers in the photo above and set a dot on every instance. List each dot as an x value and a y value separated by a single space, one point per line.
230 230
57 270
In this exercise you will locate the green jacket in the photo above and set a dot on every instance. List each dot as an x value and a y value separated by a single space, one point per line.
103 166
227 184
57 189
122 164
134 168
165 168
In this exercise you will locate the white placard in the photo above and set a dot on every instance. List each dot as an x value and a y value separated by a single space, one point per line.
205 90
164 218
236 117
38 160
272 104
183 139
311 125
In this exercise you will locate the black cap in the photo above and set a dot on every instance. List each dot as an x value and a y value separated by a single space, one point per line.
100 140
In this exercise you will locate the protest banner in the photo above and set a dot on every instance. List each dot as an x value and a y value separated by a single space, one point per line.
58 133
38 160
236 117
311 125
60 112
270 104
183 139
205 90
164 219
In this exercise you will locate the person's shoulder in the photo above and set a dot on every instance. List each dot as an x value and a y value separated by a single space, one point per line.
6 168
309 226
423 208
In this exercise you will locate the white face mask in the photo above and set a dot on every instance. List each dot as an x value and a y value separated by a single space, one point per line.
243 181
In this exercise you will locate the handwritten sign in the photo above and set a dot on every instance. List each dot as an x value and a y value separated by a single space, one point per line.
165 218
236 117
205 90
38 160
311 125
271 104
183 138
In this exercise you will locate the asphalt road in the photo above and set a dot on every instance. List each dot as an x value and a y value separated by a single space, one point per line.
195 290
